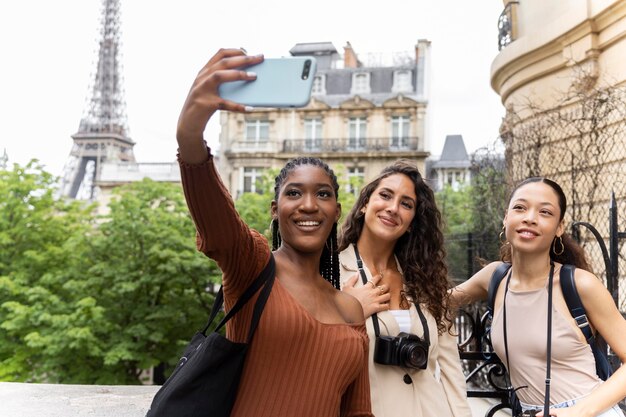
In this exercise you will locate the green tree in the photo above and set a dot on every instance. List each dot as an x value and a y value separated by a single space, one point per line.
149 279
96 300
457 213
41 317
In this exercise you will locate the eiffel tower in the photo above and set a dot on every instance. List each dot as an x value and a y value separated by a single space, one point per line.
103 132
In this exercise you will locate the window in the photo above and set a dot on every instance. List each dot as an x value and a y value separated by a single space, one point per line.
356 177
402 81
257 131
360 83
312 134
319 85
400 131
357 127
252 177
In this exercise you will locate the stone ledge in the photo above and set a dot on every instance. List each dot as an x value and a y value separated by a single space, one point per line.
52 400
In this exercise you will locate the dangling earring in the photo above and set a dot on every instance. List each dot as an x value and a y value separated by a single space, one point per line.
502 235
554 246
276 240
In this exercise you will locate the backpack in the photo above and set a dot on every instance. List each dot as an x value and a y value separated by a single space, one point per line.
574 304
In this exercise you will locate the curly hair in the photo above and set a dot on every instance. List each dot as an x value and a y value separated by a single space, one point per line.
420 251
329 261
571 252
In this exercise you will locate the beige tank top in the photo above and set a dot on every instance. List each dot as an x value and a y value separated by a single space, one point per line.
573 370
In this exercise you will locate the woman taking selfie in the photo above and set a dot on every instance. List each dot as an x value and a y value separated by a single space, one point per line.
537 247
308 356
394 232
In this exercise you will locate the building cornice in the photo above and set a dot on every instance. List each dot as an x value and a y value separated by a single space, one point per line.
574 40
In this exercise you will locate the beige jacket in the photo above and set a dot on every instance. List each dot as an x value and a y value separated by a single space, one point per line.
437 391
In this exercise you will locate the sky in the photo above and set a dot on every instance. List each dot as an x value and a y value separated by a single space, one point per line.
48 54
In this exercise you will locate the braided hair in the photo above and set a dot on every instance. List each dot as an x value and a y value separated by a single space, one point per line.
329 261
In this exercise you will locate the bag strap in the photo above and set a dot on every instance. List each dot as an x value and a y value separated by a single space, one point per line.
496 278
266 276
577 311
574 304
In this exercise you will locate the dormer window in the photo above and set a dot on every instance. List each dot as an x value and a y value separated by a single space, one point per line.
361 83
402 81
319 84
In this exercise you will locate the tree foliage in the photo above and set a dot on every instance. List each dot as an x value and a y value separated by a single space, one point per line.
86 299
44 322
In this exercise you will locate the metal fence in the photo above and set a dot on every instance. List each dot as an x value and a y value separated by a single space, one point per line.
582 146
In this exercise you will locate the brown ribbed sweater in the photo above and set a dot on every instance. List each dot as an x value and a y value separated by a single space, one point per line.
296 365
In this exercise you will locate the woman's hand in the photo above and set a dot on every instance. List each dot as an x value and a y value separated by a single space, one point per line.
373 297
203 99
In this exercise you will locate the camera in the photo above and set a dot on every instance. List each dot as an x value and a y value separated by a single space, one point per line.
405 350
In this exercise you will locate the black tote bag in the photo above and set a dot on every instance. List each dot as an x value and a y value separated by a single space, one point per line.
206 379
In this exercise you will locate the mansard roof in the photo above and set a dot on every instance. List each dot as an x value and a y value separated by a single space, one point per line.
454 154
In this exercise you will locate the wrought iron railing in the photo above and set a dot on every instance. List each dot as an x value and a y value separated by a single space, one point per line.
401 144
506 33
485 375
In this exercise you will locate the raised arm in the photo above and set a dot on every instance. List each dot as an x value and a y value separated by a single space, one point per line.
221 233
475 288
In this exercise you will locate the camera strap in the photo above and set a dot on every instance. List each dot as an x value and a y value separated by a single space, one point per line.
359 264
546 403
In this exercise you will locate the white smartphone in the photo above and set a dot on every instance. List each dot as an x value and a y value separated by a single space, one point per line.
280 82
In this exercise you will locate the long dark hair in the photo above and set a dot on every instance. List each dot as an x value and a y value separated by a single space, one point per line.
329 262
420 251
564 250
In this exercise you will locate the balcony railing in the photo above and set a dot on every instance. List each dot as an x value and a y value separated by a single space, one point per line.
387 144
506 25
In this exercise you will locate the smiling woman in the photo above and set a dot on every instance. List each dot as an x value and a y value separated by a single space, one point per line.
308 356
392 260
537 248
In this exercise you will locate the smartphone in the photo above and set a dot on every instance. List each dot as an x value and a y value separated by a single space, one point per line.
280 82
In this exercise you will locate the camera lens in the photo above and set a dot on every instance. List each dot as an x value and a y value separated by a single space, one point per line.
413 355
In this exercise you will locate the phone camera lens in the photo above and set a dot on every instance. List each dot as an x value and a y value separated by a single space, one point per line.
306 69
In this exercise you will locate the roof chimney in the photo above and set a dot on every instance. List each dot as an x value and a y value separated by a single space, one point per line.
350 59
420 49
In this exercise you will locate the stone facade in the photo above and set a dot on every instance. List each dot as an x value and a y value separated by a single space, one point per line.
561 74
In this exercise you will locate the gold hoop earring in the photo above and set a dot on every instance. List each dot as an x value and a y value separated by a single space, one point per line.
502 235
554 246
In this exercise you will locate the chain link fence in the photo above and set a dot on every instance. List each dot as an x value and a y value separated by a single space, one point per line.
581 144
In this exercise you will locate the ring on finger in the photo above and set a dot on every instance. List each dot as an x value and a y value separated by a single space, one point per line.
371 282
381 289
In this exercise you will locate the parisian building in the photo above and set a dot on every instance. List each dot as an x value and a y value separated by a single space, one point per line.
361 117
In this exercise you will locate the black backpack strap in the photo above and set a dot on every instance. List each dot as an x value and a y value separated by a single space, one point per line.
496 278
267 275
575 306
577 310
